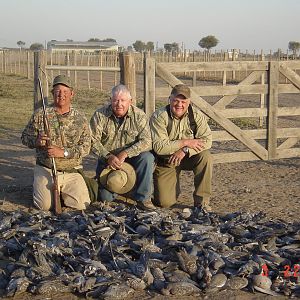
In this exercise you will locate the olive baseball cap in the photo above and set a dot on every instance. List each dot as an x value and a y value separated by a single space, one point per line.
62 79
181 89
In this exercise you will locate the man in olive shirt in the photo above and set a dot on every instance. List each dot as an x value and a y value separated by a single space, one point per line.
121 132
181 139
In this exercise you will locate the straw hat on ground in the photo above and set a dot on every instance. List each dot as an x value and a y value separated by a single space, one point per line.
119 181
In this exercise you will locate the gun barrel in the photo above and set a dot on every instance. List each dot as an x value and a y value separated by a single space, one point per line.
42 95
56 196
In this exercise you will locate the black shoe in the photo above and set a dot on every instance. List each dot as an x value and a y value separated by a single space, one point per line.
145 205
203 204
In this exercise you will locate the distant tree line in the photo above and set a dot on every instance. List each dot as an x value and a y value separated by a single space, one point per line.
207 42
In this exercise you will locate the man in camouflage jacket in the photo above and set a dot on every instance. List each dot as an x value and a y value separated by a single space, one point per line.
69 142
121 132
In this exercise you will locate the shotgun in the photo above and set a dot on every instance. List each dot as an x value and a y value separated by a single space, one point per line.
56 197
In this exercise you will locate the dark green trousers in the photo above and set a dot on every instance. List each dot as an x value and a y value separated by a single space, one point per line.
166 179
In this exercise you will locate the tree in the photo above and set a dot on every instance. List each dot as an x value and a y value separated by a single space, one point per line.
150 46
36 46
171 47
21 44
69 40
109 40
142 46
139 46
294 46
93 40
208 42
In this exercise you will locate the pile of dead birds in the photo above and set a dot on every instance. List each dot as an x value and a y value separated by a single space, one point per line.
112 252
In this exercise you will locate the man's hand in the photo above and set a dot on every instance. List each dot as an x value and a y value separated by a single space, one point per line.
176 157
115 161
41 140
54 151
196 144
122 156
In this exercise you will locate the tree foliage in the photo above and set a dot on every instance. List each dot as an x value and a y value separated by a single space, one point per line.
93 40
150 46
21 44
208 42
294 46
171 47
141 46
104 40
109 40
36 46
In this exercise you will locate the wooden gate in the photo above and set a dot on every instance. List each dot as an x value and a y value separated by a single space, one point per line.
265 80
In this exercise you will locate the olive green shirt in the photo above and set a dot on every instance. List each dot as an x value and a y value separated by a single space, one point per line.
69 131
165 143
109 135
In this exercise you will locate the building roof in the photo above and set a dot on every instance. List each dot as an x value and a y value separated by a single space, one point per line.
81 44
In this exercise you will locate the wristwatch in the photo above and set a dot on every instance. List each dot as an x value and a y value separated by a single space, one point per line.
185 149
66 153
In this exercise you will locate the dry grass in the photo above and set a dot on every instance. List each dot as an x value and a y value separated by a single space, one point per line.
16 101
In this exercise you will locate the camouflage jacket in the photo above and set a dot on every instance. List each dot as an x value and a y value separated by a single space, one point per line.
108 136
69 131
166 143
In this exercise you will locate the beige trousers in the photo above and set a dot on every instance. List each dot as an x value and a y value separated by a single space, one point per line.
71 186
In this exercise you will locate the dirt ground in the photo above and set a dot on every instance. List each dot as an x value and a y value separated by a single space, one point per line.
269 186
272 187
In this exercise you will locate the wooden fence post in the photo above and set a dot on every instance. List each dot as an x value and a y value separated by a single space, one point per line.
127 76
88 72
262 96
4 61
28 65
19 61
273 108
149 81
75 72
36 61
101 73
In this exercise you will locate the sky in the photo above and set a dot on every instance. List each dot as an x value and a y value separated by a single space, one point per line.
240 24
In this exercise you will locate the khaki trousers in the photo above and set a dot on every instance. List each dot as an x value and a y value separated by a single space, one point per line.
166 179
71 186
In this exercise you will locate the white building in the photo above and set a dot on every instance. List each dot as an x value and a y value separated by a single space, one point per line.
81 47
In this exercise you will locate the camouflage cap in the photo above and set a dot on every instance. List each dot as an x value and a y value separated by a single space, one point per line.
62 79
181 89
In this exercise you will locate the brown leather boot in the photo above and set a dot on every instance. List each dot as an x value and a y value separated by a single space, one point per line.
145 205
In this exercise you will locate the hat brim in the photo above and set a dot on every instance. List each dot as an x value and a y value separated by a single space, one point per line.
62 83
131 179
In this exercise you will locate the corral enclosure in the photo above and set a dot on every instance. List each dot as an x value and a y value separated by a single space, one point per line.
269 186
252 100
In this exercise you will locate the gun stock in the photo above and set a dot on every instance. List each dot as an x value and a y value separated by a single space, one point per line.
56 196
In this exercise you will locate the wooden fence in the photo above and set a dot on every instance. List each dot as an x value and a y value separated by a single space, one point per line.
21 62
41 70
227 105
263 95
